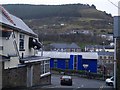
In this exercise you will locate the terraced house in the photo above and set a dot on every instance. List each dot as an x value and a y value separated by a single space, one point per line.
19 44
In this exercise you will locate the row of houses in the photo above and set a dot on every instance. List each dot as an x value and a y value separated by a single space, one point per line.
18 44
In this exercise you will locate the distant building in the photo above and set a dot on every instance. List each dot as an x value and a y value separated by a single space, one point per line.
85 32
106 60
18 46
73 60
98 48
108 37
63 47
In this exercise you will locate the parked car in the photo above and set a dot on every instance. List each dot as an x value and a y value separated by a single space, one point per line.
110 81
66 80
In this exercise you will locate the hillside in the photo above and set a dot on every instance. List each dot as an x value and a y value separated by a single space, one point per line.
70 10
65 23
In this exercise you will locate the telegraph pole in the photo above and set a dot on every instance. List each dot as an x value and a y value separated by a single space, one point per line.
117 53
118 63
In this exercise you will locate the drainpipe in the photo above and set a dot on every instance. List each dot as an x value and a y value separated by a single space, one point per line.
15 46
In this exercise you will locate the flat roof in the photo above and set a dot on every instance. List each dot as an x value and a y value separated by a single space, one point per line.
66 55
32 59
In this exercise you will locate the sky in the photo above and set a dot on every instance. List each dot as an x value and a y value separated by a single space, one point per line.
110 6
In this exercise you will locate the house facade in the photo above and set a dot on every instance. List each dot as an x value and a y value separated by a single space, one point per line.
106 63
19 44
99 48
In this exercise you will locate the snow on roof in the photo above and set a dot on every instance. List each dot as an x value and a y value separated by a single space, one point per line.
66 55
18 23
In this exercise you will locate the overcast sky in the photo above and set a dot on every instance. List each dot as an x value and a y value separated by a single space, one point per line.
103 5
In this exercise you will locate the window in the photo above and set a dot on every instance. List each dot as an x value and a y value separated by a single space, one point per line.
5 33
21 42
100 57
45 67
105 57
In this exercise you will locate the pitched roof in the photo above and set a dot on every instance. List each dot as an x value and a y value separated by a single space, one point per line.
64 45
12 21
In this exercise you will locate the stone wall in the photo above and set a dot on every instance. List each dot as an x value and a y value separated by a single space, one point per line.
15 77
36 74
45 80
37 79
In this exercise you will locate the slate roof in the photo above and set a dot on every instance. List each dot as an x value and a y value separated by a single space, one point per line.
64 45
18 25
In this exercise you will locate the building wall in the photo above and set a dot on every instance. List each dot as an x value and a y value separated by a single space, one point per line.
92 63
9 48
14 62
61 64
27 52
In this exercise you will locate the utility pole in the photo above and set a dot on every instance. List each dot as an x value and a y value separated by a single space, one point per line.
117 53
118 63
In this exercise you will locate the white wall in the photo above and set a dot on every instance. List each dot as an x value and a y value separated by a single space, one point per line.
9 49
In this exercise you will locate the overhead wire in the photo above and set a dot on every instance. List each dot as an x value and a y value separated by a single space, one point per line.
114 4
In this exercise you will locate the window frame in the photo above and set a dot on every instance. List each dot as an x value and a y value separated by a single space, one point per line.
21 42
44 68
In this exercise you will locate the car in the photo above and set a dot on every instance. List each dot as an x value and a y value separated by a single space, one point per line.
66 80
110 81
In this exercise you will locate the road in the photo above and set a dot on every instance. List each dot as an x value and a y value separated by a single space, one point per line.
78 83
